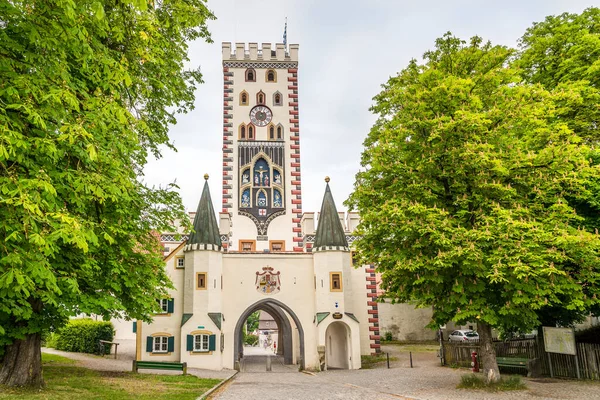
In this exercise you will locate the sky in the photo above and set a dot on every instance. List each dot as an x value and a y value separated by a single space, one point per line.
348 49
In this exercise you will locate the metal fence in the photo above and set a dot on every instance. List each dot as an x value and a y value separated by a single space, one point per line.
458 354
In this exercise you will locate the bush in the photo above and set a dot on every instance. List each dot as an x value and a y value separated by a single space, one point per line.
388 336
50 340
589 335
251 340
82 335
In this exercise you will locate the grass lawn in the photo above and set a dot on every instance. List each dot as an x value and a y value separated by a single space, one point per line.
66 381
368 362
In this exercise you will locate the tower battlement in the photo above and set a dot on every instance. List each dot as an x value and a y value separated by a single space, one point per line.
268 52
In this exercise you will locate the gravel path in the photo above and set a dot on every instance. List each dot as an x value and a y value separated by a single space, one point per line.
99 363
426 380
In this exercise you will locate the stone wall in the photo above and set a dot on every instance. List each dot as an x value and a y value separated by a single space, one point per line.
405 322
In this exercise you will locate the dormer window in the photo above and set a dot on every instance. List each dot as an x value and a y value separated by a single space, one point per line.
250 75
271 76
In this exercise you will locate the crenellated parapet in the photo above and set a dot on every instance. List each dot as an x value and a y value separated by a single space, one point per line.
269 52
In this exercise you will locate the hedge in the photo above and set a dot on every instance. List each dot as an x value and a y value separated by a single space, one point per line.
589 335
83 335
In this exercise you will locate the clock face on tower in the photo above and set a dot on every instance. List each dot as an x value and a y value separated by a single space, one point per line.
260 115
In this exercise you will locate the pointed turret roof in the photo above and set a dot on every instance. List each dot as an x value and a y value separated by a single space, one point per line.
330 232
206 229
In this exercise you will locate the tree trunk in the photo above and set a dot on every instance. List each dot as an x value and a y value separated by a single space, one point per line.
487 353
22 365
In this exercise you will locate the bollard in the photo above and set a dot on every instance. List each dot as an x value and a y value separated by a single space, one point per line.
268 362
474 362
410 359
388 359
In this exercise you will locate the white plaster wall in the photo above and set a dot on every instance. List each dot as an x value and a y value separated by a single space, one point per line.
296 277
326 262
123 329
405 321
166 323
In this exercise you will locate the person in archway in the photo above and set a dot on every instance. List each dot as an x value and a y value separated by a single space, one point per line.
275 347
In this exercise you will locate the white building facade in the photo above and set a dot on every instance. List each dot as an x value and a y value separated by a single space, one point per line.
263 252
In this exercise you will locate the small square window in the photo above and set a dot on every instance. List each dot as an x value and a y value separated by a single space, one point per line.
160 344
201 343
247 245
201 280
179 262
335 279
277 245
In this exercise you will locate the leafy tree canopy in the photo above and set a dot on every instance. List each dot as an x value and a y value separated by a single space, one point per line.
463 193
88 89
563 51
559 52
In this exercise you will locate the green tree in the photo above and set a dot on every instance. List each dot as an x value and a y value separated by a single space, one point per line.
87 90
462 195
561 52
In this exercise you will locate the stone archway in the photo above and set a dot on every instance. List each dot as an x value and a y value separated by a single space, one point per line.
278 311
338 344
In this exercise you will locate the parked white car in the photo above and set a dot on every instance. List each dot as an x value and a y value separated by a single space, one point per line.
463 336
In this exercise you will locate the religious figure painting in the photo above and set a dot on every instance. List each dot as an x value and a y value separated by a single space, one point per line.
246 177
261 172
276 198
246 198
276 177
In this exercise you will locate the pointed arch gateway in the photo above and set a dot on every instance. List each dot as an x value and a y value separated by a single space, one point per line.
280 312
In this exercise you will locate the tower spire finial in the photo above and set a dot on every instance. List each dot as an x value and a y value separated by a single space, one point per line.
285 35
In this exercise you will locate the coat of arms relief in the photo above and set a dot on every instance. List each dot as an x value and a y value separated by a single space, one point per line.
267 282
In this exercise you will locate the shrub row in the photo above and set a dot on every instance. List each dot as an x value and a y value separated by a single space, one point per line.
589 335
81 335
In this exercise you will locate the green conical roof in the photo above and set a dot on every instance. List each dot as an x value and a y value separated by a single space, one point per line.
330 232
206 229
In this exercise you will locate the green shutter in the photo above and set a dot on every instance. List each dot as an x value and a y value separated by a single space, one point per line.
190 343
171 344
149 342
212 342
134 326
170 306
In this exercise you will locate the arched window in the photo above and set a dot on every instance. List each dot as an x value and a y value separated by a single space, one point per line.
242 132
277 99
243 98
260 97
250 132
279 132
271 132
271 76
250 75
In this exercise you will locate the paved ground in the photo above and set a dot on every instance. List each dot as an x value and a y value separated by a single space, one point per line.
426 380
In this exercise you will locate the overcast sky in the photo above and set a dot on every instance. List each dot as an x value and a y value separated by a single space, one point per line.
348 48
